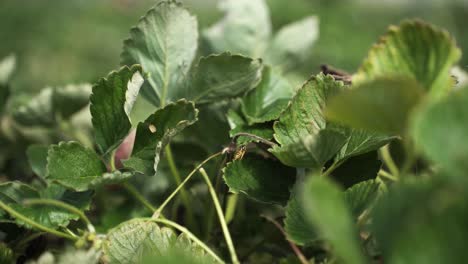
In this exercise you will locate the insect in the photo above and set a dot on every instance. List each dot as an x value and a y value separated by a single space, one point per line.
240 152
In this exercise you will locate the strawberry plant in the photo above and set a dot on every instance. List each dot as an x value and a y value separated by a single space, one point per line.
204 147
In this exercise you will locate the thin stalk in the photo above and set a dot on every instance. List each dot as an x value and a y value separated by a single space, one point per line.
386 175
190 235
171 196
332 168
296 250
222 221
185 197
112 161
65 206
210 209
231 207
34 224
387 158
138 196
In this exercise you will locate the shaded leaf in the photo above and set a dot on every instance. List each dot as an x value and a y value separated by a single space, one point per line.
73 165
111 103
382 105
416 50
260 179
70 255
37 157
70 99
291 46
357 169
439 130
238 125
360 142
112 178
156 131
244 29
222 76
270 97
165 43
325 208
361 196
298 229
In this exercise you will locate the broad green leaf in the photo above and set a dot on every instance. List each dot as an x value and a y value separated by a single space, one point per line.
325 208
128 242
37 157
305 114
156 131
112 178
312 151
357 169
360 142
165 44
73 165
51 105
305 137
268 99
422 222
260 179
382 105
221 76
14 193
440 129
361 196
244 29
111 103
416 50
293 43
298 229
175 257
238 125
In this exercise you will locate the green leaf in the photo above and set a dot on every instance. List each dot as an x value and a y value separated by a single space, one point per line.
238 125
51 105
361 142
361 196
222 76
14 193
298 229
73 165
325 208
422 222
268 99
112 178
439 130
165 43
244 29
111 103
260 179
128 242
312 151
156 131
357 169
290 47
382 105
37 157
71 255
416 50
306 139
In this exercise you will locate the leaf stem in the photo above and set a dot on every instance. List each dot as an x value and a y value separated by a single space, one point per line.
190 235
112 160
332 168
34 224
384 174
209 208
222 221
171 196
178 180
65 206
131 189
388 160
296 250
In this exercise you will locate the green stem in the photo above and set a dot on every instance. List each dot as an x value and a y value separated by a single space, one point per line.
138 196
112 161
65 206
209 208
332 168
388 160
34 224
222 221
190 235
178 180
231 207
171 196
387 175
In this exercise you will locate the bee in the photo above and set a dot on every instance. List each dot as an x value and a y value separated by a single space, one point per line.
240 153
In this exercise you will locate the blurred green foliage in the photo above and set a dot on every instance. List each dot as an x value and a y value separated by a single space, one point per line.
75 41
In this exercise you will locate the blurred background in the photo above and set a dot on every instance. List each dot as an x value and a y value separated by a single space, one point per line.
58 42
